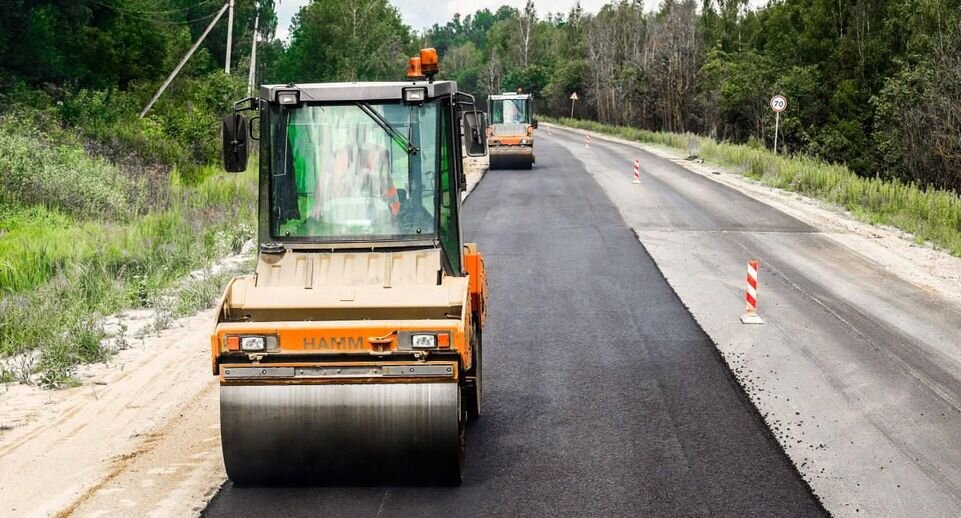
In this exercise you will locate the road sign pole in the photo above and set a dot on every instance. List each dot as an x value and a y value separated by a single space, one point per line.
777 124
572 108
778 104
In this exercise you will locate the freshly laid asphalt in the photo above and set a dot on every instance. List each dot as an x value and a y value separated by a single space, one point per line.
602 395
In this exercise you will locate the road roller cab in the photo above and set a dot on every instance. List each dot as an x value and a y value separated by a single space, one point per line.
511 131
353 351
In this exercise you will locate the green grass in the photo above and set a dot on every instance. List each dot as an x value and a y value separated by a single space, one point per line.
79 239
931 215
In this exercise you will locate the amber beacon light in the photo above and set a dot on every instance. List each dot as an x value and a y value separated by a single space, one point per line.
413 68
428 62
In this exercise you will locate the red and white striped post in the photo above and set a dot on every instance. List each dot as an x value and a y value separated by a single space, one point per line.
587 141
751 316
637 171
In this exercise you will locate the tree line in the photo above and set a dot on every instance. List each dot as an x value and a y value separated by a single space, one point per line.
873 84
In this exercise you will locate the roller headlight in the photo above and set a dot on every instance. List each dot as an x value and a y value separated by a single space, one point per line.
253 343
423 341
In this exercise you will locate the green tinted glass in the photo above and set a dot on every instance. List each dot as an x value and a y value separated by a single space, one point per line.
337 175
449 229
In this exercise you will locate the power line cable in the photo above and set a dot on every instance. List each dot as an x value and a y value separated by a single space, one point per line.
136 11
154 20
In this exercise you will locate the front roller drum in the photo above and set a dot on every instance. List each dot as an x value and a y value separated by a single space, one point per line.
403 433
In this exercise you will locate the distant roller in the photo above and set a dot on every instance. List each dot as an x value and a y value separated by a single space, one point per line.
511 131
351 433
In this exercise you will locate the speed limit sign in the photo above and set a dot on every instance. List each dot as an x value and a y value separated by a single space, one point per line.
778 103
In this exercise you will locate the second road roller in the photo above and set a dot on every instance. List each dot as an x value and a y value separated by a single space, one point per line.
353 353
511 133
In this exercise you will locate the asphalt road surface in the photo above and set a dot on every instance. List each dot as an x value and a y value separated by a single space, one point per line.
603 397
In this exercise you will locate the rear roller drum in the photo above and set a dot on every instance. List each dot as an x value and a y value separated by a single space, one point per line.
511 161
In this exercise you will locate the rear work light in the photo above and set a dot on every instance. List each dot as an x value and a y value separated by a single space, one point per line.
415 95
289 97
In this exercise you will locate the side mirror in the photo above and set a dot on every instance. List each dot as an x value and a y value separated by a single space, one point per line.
235 151
475 134
534 123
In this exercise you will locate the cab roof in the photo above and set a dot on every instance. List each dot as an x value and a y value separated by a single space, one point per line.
358 91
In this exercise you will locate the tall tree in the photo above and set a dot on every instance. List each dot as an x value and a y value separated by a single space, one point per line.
346 40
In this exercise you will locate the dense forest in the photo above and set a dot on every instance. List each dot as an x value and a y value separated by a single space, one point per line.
92 65
873 84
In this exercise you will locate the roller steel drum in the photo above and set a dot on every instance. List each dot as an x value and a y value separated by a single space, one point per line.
343 434
511 159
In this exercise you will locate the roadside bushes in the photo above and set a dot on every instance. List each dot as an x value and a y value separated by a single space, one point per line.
61 273
929 214
101 210
38 172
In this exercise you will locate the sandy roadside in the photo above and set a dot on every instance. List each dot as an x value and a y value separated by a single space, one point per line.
140 437
60 447
65 445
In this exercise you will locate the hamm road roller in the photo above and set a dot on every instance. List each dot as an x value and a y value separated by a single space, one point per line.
511 133
353 353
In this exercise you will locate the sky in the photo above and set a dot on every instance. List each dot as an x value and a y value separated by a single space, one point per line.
421 14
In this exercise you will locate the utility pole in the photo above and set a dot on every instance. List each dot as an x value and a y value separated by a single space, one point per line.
230 36
252 77
183 61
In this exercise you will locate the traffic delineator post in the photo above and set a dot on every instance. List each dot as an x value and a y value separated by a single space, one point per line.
750 296
637 171
587 141
549 131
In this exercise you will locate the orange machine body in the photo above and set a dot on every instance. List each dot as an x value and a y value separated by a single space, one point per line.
347 339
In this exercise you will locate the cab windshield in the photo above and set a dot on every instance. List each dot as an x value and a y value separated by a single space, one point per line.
509 111
337 174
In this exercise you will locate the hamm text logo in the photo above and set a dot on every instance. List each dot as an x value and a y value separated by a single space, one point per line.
342 343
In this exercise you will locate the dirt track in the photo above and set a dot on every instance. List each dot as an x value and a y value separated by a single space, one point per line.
66 445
